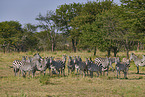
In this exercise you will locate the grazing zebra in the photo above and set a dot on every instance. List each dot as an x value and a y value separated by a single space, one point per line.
28 66
70 65
143 58
138 62
112 60
55 65
17 64
79 58
92 67
63 62
42 65
105 64
122 66
82 66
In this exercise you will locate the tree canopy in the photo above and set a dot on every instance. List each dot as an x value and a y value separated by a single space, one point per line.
101 25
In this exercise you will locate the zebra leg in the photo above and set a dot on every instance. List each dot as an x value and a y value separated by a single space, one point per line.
138 69
44 72
15 71
97 74
84 74
112 67
68 71
119 73
103 73
107 72
19 73
91 74
124 71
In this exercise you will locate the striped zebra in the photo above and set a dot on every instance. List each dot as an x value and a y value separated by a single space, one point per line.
105 64
55 65
92 67
122 66
17 64
138 62
63 62
112 60
70 65
143 58
82 66
32 65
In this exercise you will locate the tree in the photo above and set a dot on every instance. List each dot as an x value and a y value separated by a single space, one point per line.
10 35
136 9
29 39
65 13
47 23
83 24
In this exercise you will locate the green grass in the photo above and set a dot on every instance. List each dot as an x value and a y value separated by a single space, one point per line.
70 85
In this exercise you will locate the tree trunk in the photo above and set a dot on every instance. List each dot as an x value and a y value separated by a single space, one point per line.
109 49
138 46
115 51
52 47
94 50
4 50
73 45
127 49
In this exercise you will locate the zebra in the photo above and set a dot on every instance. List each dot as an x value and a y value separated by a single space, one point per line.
55 65
112 60
70 65
105 64
122 66
143 58
92 67
32 65
82 66
138 62
77 60
42 65
17 64
28 67
63 62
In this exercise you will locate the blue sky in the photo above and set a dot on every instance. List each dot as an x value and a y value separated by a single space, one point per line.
25 11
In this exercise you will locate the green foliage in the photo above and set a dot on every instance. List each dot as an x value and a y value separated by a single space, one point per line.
10 34
44 80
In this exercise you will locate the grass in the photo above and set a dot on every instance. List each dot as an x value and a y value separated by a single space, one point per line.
70 85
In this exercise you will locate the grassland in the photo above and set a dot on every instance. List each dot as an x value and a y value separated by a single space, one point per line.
70 85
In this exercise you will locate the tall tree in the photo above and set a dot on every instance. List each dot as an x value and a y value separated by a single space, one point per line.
47 23
29 40
136 9
10 35
65 13
81 24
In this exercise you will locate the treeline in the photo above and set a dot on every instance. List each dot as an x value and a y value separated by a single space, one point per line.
101 25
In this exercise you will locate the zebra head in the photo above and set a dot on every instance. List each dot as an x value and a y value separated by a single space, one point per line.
51 60
127 63
37 56
24 58
131 56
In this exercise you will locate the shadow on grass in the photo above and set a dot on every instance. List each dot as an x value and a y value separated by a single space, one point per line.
137 73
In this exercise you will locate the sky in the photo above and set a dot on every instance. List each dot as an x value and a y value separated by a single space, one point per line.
25 11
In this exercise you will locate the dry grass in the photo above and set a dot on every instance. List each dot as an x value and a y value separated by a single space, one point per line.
70 85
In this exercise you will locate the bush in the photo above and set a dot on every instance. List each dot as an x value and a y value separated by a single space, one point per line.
44 79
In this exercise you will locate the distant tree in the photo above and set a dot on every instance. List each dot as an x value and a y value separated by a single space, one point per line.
29 39
65 13
83 24
47 23
134 19
10 35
